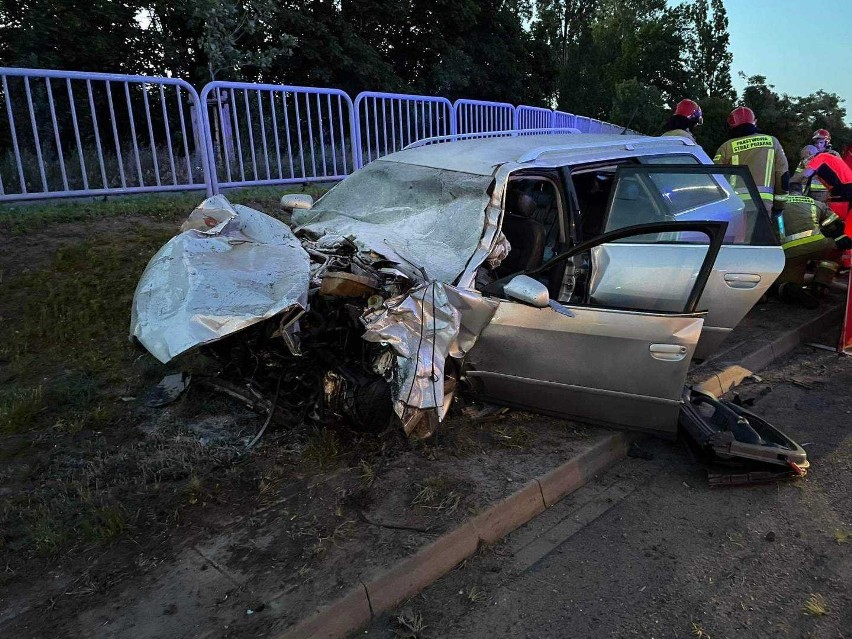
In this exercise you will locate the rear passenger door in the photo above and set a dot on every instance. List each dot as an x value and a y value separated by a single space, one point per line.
750 259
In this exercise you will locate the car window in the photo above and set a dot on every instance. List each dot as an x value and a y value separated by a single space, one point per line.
532 223
646 195
683 192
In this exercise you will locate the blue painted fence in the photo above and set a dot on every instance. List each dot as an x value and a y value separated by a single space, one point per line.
70 134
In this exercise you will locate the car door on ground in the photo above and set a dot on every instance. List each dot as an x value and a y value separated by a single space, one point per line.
612 197
619 361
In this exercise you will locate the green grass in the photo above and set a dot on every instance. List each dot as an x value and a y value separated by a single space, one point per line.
324 449
20 219
48 534
72 317
815 606
84 473
19 409
103 524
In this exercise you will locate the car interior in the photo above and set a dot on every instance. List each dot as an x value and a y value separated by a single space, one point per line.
532 224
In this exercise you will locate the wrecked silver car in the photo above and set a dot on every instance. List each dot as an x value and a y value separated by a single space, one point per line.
438 266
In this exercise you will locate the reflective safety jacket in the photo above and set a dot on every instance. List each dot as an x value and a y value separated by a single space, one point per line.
836 175
683 133
817 188
803 221
766 161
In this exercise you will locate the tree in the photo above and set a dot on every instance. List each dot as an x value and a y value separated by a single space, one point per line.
638 106
708 59
714 131
598 45
77 35
823 110
219 40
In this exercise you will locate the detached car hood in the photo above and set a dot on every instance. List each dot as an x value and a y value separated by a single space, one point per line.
231 267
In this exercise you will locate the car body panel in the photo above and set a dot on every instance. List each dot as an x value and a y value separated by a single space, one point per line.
623 366
597 366
748 262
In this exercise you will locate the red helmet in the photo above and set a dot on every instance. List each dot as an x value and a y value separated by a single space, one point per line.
690 110
822 134
741 115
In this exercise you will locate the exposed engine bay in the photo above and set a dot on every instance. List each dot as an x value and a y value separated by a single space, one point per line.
313 322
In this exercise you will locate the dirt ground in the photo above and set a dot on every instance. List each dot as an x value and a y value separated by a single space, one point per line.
119 520
650 550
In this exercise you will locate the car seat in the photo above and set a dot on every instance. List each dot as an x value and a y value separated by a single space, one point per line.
524 232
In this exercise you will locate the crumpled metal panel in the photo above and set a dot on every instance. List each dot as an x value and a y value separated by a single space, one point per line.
432 322
427 218
231 267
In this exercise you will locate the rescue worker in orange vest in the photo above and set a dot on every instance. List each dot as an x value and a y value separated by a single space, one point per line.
686 117
847 155
813 234
821 140
836 175
763 156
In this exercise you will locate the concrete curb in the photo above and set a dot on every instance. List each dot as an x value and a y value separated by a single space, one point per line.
407 578
383 592
720 383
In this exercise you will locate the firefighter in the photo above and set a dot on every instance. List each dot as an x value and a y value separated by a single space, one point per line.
686 117
836 176
763 156
813 234
821 141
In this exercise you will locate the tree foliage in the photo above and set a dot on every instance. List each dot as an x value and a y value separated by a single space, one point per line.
627 61
794 119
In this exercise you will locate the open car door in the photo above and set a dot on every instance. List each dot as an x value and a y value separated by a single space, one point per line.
750 258
612 360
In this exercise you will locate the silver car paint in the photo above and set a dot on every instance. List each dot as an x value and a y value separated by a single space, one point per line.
741 275
726 304
602 365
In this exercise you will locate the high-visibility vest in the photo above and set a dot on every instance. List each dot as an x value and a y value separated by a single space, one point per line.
766 161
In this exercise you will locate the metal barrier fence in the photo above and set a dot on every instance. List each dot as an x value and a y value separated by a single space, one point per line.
388 122
274 134
68 134
475 116
530 117
563 120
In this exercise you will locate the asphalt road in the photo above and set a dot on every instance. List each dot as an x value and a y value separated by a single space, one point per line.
648 549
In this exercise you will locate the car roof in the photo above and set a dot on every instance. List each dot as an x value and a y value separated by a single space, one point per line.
482 156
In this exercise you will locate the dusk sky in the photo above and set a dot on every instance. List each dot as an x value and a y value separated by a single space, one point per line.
800 46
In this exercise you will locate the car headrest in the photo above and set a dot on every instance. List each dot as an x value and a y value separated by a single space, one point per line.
628 191
521 204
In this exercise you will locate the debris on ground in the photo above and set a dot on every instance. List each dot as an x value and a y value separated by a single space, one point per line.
170 388
742 447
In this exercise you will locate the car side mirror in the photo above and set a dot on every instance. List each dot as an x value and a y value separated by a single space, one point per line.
527 290
294 201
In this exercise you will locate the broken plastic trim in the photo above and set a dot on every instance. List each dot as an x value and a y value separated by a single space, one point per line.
732 432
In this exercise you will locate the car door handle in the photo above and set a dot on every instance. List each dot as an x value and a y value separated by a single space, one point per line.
668 352
742 280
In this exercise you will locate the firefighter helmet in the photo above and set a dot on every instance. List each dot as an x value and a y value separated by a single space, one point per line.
822 134
691 111
741 115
